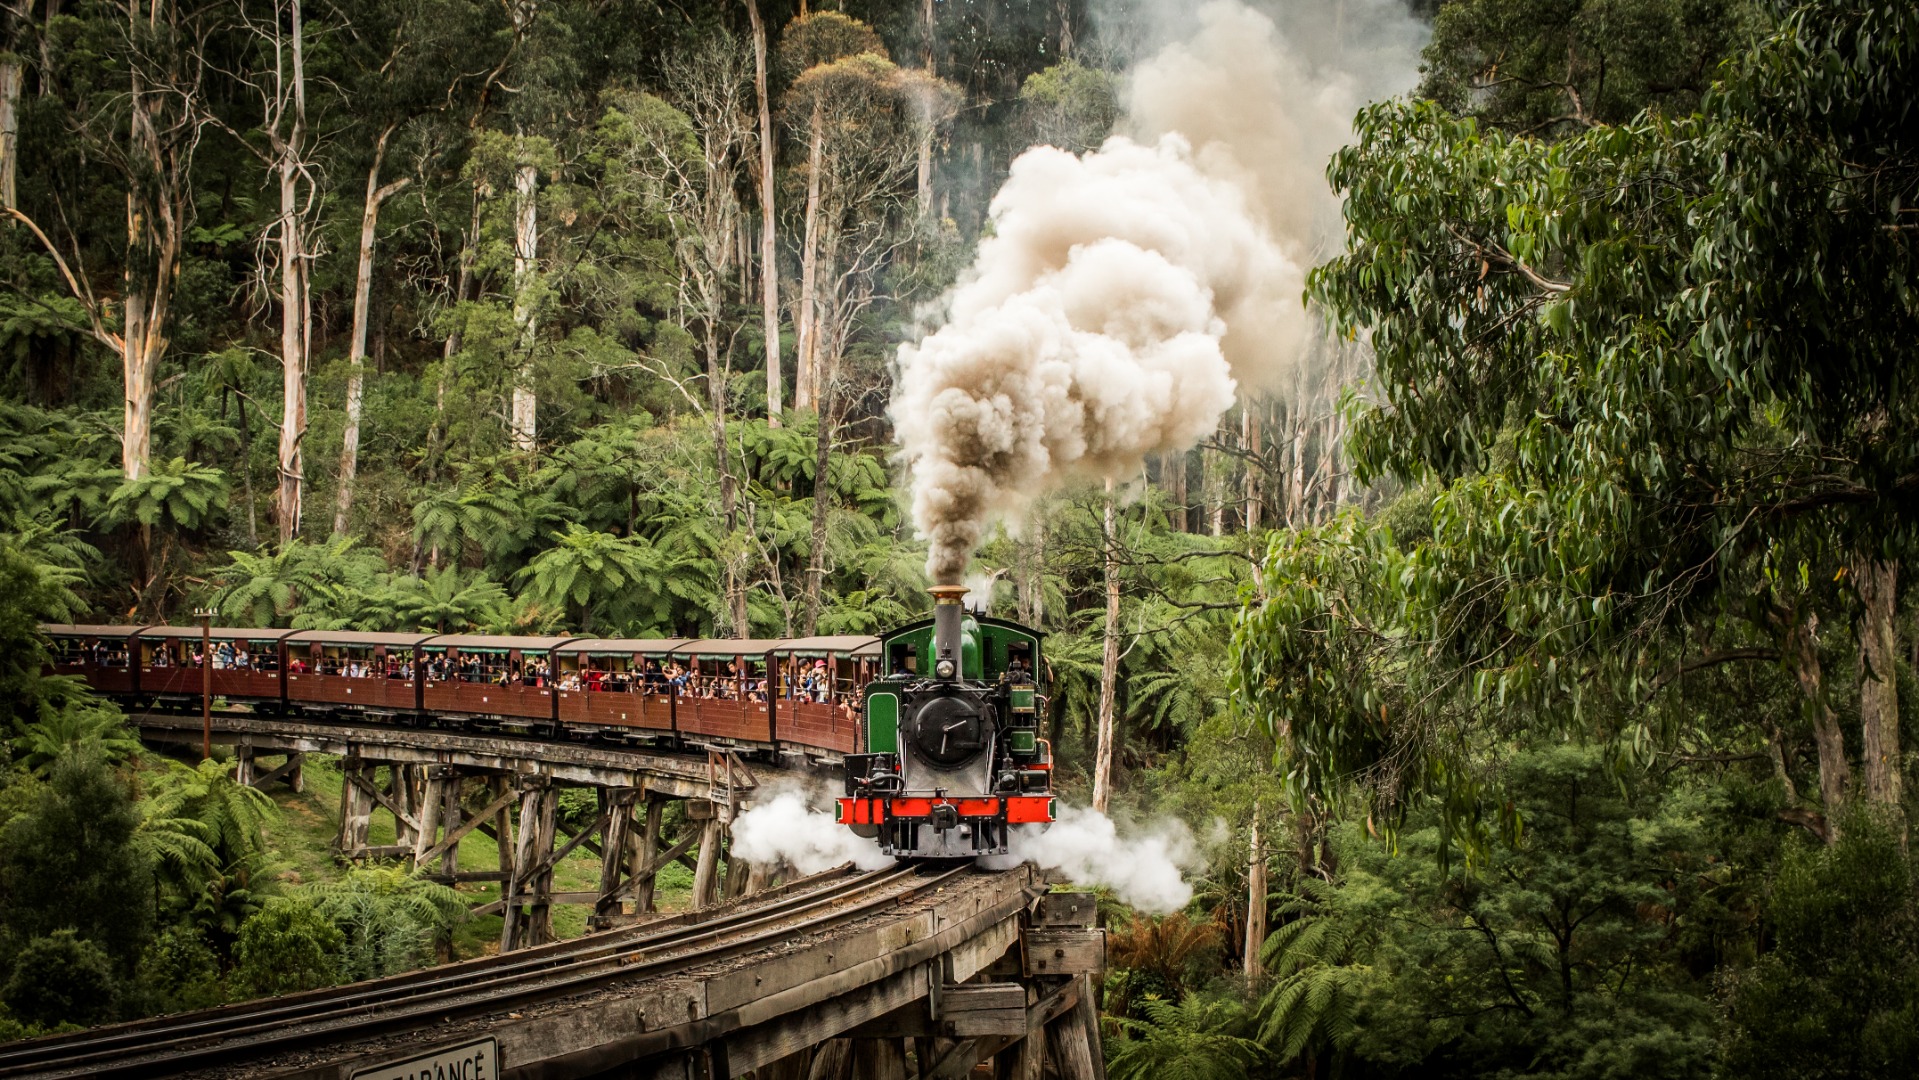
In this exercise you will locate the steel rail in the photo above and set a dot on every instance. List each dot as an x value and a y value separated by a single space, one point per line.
507 982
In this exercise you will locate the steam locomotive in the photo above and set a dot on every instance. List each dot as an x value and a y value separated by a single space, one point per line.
953 755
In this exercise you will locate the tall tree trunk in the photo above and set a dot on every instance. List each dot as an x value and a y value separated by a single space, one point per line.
526 252
929 25
1109 659
769 250
1212 482
462 287
1172 475
376 194
294 335
1877 582
732 580
158 211
822 502
1065 27
1296 488
807 330
1249 441
1335 439
925 172
1802 655
1255 904
9 121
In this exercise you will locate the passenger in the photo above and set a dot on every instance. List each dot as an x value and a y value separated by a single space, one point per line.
297 666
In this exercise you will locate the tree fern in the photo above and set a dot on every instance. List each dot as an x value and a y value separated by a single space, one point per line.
1193 1040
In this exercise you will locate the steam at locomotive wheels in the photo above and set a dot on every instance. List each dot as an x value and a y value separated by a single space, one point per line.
935 721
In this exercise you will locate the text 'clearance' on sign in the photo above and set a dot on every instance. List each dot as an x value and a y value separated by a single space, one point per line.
469 1061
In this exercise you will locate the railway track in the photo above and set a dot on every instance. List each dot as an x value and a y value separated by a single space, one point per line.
173 1044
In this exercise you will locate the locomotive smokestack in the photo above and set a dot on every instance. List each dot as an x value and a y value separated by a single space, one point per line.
947 613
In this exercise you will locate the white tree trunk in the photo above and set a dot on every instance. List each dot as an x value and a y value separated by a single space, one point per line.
526 252
769 250
9 128
1249 441
1109 660
376 194
807 331
1255 905
926 172
293 300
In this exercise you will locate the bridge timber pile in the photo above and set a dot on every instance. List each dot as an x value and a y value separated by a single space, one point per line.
840 976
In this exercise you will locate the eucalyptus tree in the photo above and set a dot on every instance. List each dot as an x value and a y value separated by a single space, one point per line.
1560 67
681 158
1647 375
407 55
808 42
140 107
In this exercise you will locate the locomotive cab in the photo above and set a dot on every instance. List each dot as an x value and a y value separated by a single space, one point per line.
953 754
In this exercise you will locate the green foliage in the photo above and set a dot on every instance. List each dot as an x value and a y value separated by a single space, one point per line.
175 494
1069 105
625 578
390 919
61 978
301 585
68 861
180 971
83 726
1566 956
1838 994
444 600
1552 68
1193 1040
1637 434
286 947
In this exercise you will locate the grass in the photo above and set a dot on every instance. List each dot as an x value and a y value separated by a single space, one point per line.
310 821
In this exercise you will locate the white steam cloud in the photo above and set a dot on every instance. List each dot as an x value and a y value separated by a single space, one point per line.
1126 295
1147 871
786 831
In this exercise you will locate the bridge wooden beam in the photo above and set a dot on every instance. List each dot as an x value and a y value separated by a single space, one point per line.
288 771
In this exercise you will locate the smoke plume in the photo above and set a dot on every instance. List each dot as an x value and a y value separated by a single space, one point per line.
784 830
1125 296
1146 871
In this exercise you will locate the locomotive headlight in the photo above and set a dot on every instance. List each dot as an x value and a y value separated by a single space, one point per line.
944 669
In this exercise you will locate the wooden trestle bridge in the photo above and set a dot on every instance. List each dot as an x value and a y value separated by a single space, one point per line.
934 972
920 970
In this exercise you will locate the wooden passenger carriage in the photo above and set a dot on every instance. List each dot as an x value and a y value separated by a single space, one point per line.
744 693
489 675
165 667
615 690
375 673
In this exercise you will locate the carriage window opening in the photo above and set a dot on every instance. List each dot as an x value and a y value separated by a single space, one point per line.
904 660
1019 662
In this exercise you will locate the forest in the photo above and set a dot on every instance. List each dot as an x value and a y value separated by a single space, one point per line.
1521 653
